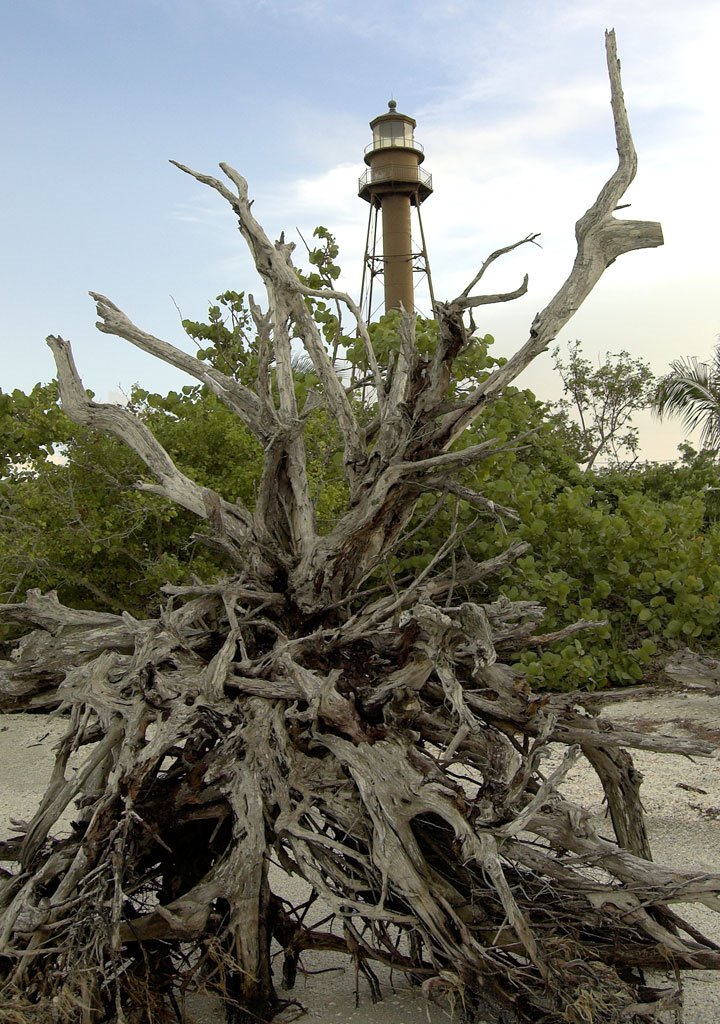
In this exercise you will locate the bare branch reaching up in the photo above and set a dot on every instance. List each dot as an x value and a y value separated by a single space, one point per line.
332 294
466 293
274 265
489 300
243 402
601 239
114 419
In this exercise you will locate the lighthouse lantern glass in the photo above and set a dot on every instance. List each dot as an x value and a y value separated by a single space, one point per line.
393 132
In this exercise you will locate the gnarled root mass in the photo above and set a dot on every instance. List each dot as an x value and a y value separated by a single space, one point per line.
368 735
401 772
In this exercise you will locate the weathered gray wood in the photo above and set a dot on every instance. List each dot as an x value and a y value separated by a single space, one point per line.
367 736
240 399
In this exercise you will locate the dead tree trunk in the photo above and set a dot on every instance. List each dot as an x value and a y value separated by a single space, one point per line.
371 743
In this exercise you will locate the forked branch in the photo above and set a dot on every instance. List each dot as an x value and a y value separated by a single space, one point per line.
234 520
467 292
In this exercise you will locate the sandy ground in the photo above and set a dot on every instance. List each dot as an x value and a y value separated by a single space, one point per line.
681 797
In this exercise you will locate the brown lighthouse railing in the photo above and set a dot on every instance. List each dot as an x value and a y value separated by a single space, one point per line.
376 175
390 142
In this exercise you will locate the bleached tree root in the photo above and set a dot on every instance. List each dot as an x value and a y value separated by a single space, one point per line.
361 733
423 818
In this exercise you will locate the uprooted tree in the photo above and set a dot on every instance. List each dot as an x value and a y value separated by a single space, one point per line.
310 711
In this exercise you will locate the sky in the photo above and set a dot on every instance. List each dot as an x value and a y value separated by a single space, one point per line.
512 108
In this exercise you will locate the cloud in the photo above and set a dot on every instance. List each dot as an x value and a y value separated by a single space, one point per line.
197 210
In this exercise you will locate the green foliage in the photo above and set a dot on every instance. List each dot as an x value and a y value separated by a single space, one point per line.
637 550
602 401
204 439
74 523
71 518
649 568
325 272
324 257
471 366
31 426
224 340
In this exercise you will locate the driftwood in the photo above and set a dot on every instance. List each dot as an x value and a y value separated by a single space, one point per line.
695 671
369 737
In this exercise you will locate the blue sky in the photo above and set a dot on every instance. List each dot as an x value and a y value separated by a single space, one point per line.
511 101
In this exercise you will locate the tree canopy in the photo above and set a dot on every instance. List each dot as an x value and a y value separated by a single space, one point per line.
604 400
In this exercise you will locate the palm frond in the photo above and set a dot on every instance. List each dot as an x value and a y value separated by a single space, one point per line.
691 391
302 364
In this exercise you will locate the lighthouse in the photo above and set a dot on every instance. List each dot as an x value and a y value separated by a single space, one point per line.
394 185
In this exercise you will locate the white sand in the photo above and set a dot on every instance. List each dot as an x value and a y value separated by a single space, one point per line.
684 826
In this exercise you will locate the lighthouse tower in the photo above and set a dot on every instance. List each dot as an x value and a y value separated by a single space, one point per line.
394 184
